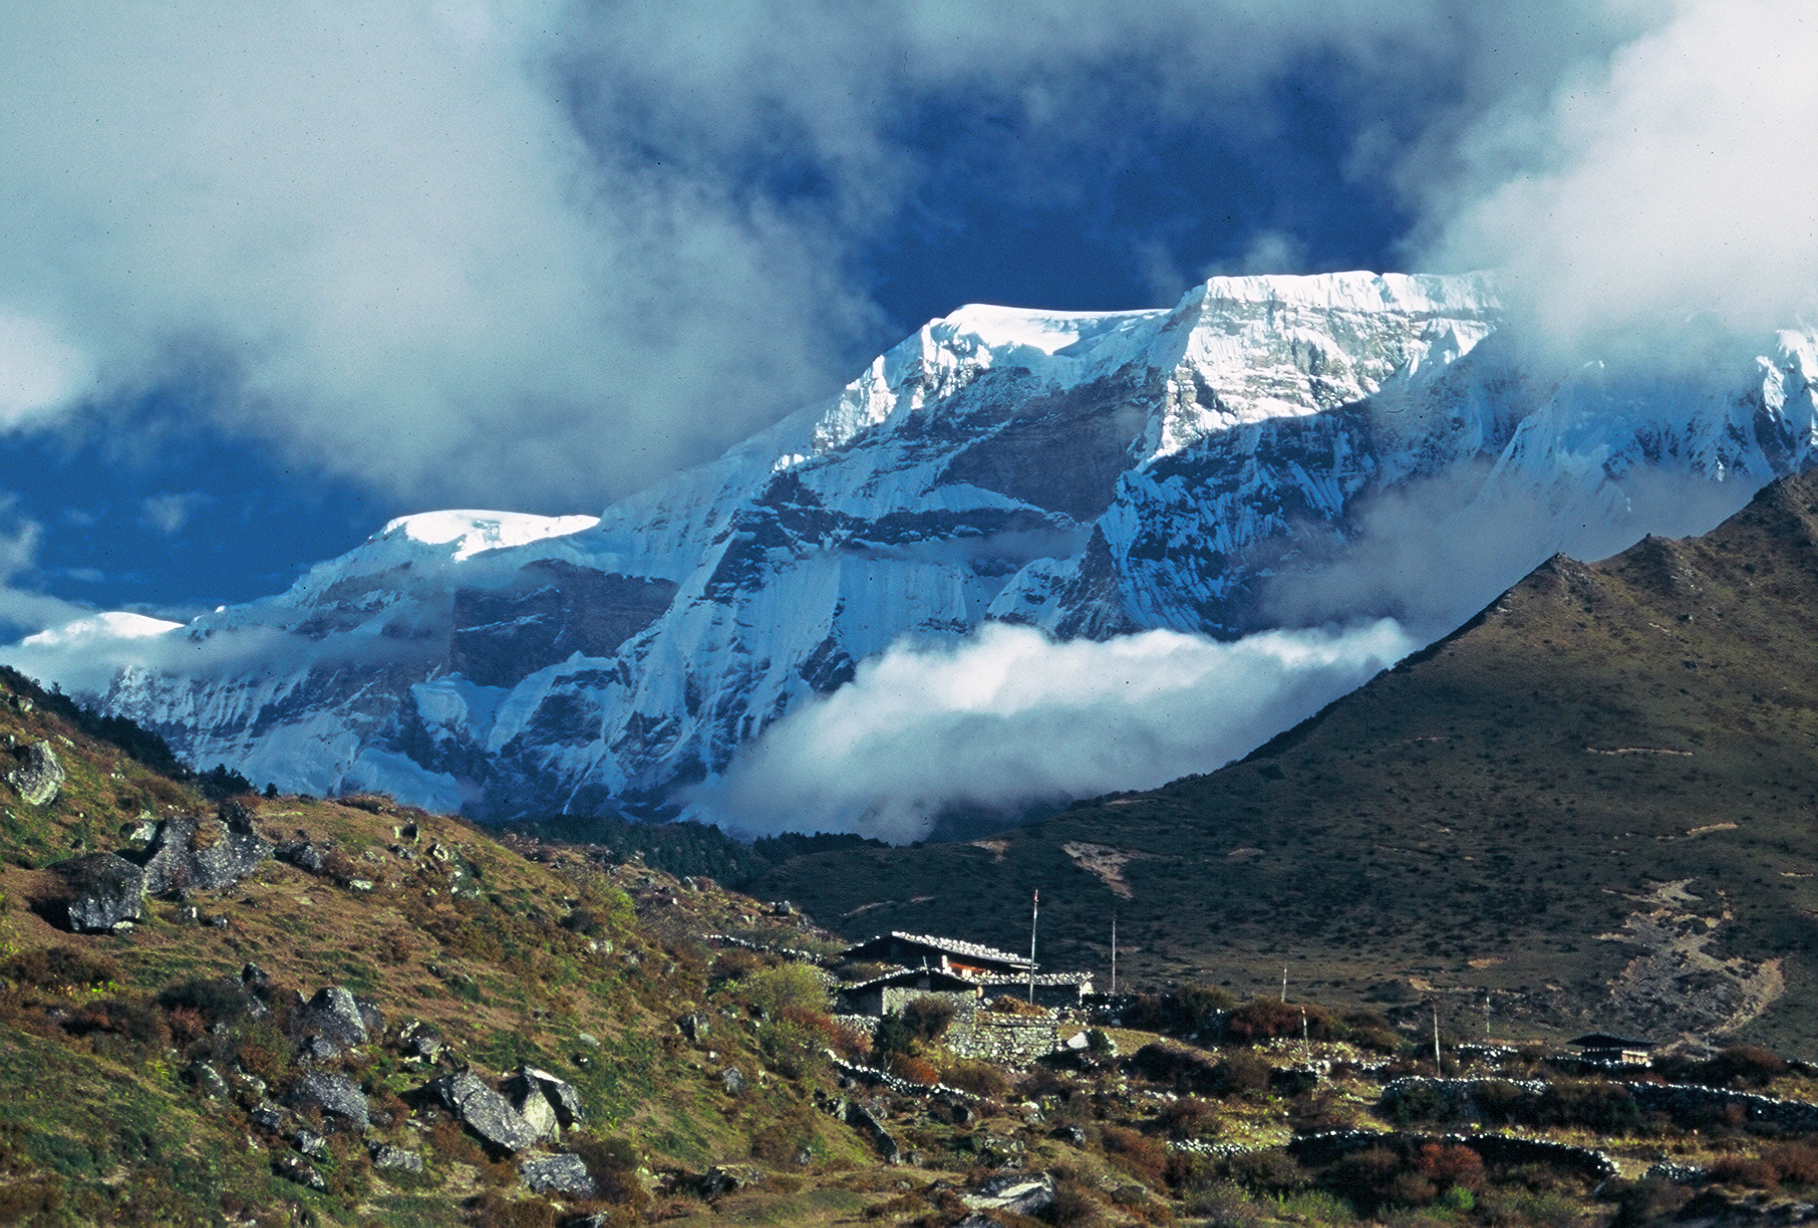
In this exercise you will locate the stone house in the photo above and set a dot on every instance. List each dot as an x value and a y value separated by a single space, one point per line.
892 992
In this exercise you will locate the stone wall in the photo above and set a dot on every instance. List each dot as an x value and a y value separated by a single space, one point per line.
1002 1038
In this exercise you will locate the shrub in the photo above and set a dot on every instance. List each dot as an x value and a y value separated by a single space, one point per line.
892 1037
929 1017
1144 1157
60 969
979 1078
791 985
908 1066
214 999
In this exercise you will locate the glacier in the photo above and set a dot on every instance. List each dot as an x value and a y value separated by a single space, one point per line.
1085 475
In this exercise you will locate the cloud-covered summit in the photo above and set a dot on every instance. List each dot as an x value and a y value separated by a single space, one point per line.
536 254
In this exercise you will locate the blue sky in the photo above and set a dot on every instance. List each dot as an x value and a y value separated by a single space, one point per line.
270 276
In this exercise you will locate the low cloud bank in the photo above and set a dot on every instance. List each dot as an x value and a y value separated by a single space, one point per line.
1008 715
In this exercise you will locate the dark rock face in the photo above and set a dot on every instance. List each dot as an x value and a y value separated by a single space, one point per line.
107 891
202 854
484 1111
553 611
336 1094
39 777
865 1121
301 854
563 1174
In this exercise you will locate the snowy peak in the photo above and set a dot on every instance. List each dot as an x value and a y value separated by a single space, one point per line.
1270 451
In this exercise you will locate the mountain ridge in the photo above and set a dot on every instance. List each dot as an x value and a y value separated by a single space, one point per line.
1594 805
1086 475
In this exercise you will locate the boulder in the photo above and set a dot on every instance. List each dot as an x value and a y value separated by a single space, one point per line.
1018 1193
561 1095
385 1156
191 853
864 1120
483 1111
696 1027
733 1080
534 1107
565 1175
420 1040
301 854
107 892
39 777
337 1016
333 1093
208 1080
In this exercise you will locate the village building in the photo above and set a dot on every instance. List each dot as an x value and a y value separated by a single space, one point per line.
1613 1049
890 993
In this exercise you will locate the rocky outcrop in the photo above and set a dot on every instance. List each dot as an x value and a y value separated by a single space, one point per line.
1018 1193
484 1112
334 1094
565 1175
198 854
338 1017
108 892
39 777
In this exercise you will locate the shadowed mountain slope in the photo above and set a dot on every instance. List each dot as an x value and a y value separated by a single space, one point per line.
1595 804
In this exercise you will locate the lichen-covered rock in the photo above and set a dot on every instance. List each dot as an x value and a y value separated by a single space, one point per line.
385 1156
484 1111
190 853
39 777
333 1093
420 1040
106 892
564 1174
301 854
534 1107
337 1016
1018 1193
560 1094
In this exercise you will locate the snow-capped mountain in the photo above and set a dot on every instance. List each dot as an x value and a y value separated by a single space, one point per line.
1087 474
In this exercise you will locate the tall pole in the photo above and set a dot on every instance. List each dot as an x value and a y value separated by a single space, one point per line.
1284 982
1439 1069
1114 953
1035 913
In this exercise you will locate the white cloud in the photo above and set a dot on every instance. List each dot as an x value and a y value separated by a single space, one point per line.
1008 716
1674 181
169 512
538 253
40 372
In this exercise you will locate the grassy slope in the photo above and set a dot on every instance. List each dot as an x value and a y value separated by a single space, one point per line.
1451 823
467 940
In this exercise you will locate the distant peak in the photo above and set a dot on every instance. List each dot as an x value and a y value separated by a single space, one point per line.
474 531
